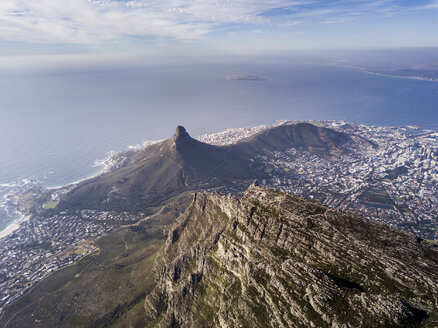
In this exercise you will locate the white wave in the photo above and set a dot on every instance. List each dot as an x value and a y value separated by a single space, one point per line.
9 185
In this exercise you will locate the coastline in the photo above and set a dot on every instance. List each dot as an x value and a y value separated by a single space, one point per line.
103 165
15 225
367 71
114 158
417 78
73 183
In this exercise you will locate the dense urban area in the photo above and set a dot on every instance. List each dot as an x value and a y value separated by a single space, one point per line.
392 179
389 174
395 183
45 243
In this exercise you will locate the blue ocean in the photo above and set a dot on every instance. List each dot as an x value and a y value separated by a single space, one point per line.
55 124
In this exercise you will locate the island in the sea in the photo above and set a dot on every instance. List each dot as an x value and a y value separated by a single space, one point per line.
247 77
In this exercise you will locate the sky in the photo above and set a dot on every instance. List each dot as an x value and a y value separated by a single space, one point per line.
71 27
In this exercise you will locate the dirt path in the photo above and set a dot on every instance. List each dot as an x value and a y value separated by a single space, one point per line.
124 241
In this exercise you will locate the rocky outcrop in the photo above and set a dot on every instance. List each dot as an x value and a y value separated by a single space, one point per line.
271 259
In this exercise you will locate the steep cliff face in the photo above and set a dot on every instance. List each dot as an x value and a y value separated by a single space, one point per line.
274 260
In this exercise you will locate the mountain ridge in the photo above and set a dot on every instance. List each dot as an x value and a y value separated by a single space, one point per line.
181 163
304 135
271 259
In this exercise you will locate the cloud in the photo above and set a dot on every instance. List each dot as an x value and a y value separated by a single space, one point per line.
93 21
102 21
426 6
81 21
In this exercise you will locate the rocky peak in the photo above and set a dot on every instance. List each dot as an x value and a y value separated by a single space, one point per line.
271 259
180 133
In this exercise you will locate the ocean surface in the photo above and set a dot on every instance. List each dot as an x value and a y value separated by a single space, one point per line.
55 124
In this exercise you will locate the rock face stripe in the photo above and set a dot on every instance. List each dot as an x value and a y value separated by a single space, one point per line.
271 259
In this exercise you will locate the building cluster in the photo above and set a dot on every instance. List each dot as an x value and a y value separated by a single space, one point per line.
231 135
393 180
44 244
389 174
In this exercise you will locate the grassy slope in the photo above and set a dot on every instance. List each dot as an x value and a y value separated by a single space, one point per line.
95 289
99 289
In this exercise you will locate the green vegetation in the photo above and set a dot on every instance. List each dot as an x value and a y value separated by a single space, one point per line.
106 287
78 320
101 286
258 307
135 316
395 173
50 205
376 195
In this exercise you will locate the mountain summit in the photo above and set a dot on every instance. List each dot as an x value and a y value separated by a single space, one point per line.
180 133
160 171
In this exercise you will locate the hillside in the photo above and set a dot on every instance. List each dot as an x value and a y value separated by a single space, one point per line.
272 259
161 171
94 291
268 259
303 135
158 172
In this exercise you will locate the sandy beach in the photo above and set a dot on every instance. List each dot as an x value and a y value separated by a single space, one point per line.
14 226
